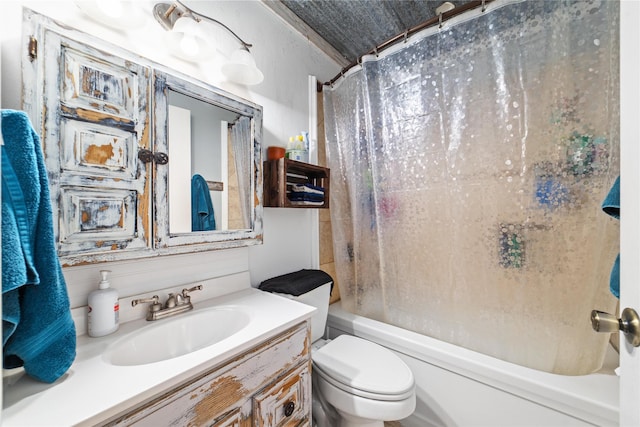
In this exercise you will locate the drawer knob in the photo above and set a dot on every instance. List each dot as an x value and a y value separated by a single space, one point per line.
289 407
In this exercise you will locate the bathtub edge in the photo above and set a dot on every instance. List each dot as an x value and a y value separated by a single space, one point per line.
590 398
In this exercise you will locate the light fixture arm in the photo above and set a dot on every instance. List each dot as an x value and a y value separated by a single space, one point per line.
167 14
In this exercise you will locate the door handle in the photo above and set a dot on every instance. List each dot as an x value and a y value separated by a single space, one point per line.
628 324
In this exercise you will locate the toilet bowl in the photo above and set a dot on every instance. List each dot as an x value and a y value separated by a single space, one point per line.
356 383
365 383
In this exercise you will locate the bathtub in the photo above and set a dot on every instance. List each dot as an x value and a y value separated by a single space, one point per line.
460 387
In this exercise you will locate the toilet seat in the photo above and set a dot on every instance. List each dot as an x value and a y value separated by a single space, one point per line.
364 369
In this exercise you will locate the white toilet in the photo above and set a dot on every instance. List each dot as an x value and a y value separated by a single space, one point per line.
356 383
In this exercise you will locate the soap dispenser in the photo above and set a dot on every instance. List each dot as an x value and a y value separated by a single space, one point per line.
103 308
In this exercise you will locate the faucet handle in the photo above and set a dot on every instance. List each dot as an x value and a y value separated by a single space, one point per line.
185 292
154 300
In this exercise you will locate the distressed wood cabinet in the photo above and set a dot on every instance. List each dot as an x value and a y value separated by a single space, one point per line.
92 110
105 141
267 386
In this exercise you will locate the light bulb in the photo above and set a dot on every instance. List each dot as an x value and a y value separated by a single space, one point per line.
189 45
187 42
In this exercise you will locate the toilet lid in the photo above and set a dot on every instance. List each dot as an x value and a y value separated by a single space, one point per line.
365 366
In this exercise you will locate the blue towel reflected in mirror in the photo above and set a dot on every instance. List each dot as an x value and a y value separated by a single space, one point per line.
202 215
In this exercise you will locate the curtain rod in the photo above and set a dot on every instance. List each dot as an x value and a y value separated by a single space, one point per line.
403 36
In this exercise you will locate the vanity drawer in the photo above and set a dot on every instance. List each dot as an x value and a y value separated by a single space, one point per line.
284 403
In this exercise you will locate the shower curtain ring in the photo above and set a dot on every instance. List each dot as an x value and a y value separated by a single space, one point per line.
375 51
484 5
406 34
440 21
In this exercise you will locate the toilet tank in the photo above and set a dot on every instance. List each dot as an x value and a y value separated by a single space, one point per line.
318 298
311 287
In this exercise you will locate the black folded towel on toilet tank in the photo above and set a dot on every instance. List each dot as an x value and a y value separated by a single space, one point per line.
296 283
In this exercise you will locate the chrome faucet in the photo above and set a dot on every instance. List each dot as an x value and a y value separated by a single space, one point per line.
175 304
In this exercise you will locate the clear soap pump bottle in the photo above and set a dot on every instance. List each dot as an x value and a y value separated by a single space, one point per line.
103 309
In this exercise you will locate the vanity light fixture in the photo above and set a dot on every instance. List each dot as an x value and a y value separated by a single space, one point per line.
193 44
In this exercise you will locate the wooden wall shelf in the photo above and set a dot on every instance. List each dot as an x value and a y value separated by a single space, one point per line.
281 174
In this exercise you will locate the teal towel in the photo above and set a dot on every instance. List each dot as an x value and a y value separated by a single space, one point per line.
37 328
611 203
202 215
611 206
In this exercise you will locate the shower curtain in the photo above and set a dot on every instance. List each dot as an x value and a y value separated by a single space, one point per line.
242 143
468 167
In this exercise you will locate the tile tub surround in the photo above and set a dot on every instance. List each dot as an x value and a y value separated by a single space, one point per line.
93 391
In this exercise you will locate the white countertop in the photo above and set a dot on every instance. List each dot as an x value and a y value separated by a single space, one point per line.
93 390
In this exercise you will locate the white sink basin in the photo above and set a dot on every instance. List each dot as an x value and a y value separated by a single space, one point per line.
173 337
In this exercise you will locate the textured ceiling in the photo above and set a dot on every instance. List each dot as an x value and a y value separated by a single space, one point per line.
355 27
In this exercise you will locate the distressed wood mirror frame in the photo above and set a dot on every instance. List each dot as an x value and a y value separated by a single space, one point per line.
96 107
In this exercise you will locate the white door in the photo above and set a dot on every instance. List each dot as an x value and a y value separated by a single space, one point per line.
630 204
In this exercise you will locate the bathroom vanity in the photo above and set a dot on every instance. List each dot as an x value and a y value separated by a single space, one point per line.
259 375
270 385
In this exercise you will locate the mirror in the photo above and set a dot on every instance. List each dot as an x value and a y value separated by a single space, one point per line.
210 183
201 183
